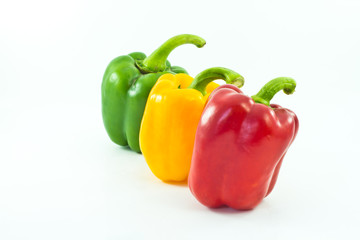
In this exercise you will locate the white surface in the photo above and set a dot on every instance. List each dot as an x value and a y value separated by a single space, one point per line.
62 178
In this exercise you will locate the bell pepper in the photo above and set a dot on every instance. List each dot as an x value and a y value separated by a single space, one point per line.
170 120
239 145
126 85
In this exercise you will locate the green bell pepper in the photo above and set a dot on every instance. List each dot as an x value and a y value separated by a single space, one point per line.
127 83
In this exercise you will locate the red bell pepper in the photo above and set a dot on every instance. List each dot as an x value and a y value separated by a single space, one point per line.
239 145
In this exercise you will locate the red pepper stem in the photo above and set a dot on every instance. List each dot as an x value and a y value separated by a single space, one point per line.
267 92
156 62
205 77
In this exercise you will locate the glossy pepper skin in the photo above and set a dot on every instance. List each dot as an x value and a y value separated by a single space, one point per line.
170 120
126 85
239 146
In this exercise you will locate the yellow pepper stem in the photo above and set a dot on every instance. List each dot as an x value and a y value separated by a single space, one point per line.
205 77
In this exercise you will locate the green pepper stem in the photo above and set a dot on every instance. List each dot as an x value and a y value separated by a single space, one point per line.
205 77
156 62
267 92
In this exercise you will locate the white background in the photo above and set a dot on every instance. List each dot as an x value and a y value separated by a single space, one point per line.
62 178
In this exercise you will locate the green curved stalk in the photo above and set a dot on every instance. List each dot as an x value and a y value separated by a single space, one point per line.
267 92
156 62
205 77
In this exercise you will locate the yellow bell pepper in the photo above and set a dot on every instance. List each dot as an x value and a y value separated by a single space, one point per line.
171 116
